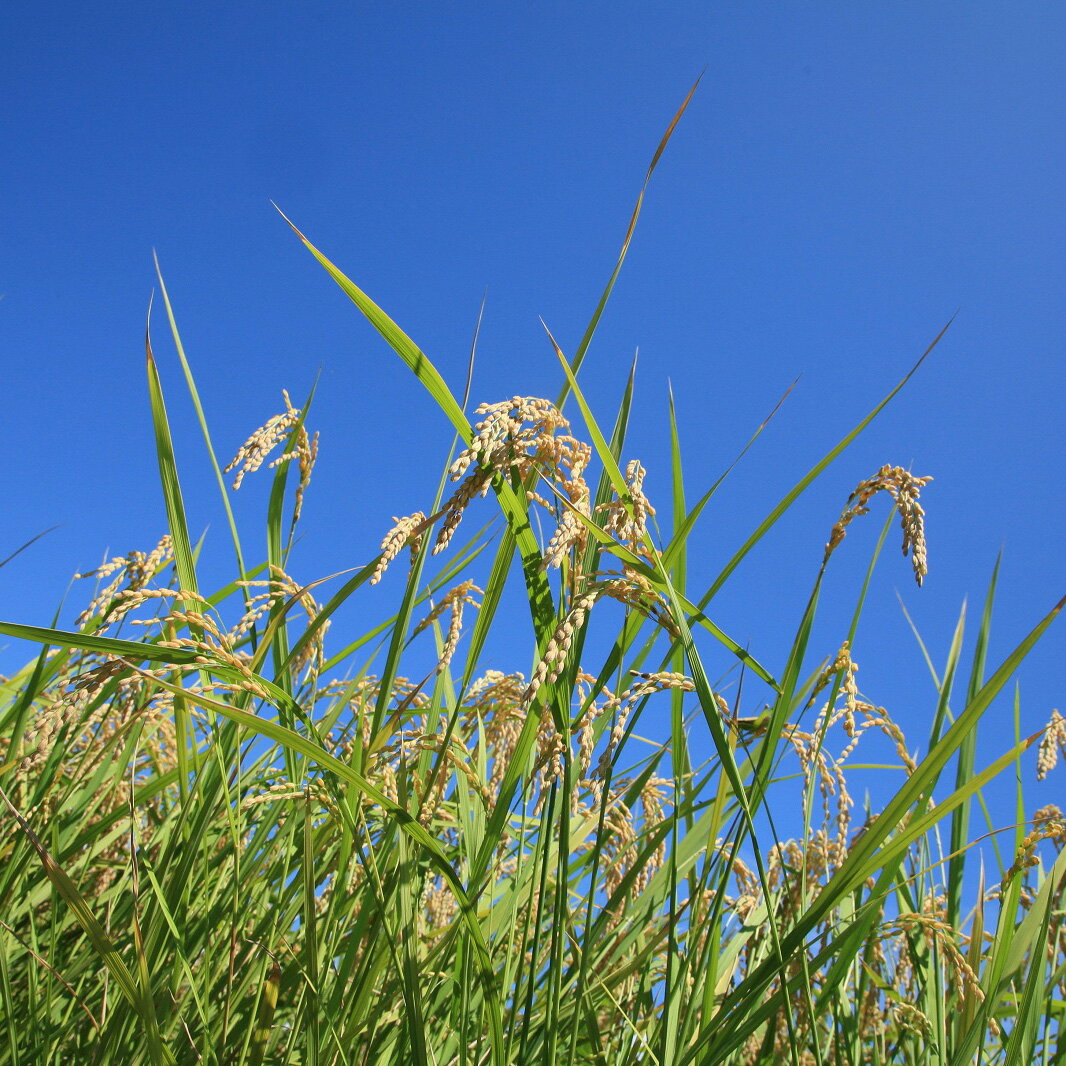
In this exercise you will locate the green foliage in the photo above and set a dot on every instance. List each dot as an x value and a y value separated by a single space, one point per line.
226 843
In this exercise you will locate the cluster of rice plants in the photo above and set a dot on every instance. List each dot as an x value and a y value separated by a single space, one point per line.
235 835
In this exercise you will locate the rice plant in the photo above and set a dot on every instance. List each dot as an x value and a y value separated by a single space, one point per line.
235 835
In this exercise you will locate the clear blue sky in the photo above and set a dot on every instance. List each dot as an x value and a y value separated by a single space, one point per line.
846 178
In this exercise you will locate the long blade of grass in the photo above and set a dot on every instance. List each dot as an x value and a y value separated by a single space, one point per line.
867 855
804 483
397 340
606 456
125 649
184 558
586 340
194 395
960 820
31 541
184 561
138 997
401 817
682 528
515 510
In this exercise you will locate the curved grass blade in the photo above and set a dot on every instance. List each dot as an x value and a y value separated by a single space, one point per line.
921 782
657 574
402 818
586 340
397 340
32 540
277 557
268 1003
184 557
515 509
194 394
184 562
867 854
960 819
607 458
125 649
138 997
683 526
801 486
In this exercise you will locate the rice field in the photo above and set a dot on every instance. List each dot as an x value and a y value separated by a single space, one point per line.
236 834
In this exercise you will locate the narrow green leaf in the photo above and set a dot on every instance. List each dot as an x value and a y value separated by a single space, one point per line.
184 562
586 340
400 343
801 486
138 997
194 394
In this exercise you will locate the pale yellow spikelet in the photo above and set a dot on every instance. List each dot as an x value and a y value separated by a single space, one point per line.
586 732
857 714
459 758
213 649
434 790
878 718
312 792
619 849
558 647
571 534
455 623
821 768
967 984
494 704
1048 815
255 608
652 803
285 591
454 601
908 1016
508 430
308 458
93 702
627 518
548 766
635 590
849 686
98 676
904 489
405 531
253 452
440 907
476 485
137 569
57 714
912 516
622 706
525 436
1048 825
499 425
1051 743
525 439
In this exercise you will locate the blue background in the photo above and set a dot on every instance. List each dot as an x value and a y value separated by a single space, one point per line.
846 178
